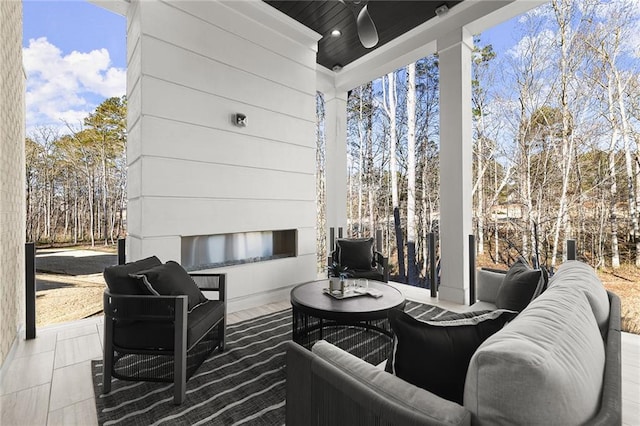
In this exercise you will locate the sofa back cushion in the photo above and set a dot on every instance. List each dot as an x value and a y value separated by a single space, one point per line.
520 286
488 284
545 367
575 274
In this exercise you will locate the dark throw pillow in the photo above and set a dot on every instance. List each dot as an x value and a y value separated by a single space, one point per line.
435 355
520 286
171 279
118 277
355 254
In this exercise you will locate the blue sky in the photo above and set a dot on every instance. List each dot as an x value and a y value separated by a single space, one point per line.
75 57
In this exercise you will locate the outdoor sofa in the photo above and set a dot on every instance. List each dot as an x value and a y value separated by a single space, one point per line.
557 362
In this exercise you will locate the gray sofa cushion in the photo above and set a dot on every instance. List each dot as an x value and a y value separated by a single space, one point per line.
575 274
545 367
488 285
397 398
520 286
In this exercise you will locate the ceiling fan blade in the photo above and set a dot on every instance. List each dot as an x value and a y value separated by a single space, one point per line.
366 28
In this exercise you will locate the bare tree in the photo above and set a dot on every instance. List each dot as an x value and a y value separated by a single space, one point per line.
412 269
389 105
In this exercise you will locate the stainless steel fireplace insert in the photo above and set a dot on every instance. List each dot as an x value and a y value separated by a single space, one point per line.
215 251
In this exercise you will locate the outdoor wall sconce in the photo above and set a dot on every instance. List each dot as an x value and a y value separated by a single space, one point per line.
240 120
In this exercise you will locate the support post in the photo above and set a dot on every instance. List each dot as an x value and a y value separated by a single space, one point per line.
572 252
456 135
340 232
433 274
472 269
122 257
332 239
30 290
379 240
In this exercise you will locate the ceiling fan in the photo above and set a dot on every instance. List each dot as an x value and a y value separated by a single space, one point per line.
367 31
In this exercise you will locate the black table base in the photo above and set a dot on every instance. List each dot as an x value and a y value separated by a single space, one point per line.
369 340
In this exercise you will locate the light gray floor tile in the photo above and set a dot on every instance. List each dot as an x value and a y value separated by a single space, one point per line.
25 407
44 343
81 413
26 372
631 412
78 349
77 332
70 385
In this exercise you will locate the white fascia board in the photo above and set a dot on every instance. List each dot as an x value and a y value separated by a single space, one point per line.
473 15
270 17
119 7
325 81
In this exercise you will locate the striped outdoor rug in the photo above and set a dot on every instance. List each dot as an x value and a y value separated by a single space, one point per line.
243 385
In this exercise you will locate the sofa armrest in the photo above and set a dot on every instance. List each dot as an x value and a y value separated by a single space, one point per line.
488 282
610 412
331 386
209 282
382 265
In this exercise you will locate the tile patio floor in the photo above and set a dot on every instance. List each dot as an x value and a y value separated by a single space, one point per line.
47 381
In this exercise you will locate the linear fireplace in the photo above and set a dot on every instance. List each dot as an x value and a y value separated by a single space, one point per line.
215 251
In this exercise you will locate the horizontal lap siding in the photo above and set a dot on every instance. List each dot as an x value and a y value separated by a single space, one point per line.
191 171
218 216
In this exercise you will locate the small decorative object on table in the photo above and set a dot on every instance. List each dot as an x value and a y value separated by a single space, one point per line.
337 278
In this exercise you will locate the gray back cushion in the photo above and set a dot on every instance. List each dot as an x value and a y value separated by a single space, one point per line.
545 367
575 274
488 284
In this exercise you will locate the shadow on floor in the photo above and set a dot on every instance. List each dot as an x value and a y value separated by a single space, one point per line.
70 265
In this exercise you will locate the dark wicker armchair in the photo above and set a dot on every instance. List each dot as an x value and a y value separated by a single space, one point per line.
161 338
359 259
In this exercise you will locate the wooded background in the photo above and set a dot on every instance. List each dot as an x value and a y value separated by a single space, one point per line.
76 182
556 135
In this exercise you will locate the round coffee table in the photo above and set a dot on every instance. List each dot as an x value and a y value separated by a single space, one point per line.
357 324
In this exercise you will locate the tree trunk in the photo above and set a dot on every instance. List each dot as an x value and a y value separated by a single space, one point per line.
631 183
613 186
411 175
393 171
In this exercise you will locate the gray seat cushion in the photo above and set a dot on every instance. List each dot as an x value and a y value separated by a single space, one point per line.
159 335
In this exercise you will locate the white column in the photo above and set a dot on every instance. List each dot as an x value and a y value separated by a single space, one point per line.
336 161
454 52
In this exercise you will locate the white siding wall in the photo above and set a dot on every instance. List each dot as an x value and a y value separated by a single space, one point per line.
12 210
192 65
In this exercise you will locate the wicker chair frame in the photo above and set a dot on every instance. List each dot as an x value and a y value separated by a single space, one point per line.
175 364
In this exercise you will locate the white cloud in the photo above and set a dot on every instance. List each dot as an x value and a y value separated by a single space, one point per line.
67 87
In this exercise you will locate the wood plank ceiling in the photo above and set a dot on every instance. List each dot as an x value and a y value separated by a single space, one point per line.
392 19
